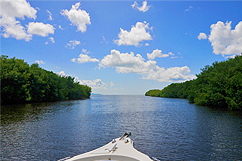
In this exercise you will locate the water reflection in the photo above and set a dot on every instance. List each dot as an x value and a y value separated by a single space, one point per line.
168 129
32 112
218 133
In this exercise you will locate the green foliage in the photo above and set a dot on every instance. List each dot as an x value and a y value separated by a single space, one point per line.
219 85
153 93
22 83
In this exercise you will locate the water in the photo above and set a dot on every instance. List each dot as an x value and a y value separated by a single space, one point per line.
168 129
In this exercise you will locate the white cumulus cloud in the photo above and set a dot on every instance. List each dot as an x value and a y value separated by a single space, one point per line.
173 74
126 63
202 36
41 29
61 73
130 63
156 54
78 17
137 34
72 44
9 12
95 84
226 41
39 62
84 58
143 8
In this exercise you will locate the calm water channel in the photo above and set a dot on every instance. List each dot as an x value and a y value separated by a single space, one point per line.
168 129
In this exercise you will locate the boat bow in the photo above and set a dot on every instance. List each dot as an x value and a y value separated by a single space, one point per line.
119 149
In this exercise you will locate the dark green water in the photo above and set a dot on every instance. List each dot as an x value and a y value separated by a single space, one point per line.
168 129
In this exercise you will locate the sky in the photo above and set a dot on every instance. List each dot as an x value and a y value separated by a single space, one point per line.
122 47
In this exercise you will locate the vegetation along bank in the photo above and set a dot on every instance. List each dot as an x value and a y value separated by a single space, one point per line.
219 85
22 83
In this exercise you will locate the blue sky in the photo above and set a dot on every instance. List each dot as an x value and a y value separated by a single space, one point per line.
122 47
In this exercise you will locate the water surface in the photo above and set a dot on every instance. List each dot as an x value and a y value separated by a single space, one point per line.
168 129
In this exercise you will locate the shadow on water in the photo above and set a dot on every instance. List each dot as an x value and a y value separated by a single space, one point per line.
34 111
36 131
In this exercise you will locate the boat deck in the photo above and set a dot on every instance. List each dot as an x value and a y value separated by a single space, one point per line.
120 149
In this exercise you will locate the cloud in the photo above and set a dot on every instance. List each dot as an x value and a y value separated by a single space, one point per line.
12 10
111 84
188 9
126 63
129 63
9 11
72 44
95 84
137 34
17 9
78 17
60 27
61 73
38 28
50 15
224 40
51 39
202 36
143 8
84 58
39 62
173 74
170 53
156 54
104 40
174 57
134 5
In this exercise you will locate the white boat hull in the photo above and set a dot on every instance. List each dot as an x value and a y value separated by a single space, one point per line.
120 149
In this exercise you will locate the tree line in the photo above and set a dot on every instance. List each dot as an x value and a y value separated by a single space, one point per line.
22 83
218 85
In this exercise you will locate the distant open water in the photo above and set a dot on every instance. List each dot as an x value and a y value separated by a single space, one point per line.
167 129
